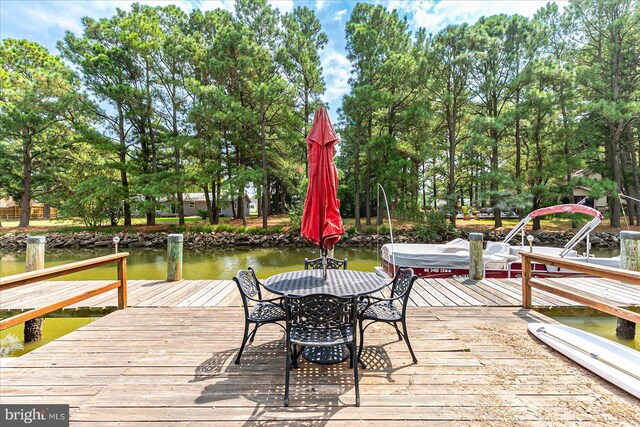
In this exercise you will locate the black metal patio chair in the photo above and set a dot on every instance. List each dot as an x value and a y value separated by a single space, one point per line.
257 311
332 264
392 310
320 320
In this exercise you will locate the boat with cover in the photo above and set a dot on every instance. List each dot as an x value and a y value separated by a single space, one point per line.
500 259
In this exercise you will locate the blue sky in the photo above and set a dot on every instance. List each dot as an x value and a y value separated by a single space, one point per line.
45 22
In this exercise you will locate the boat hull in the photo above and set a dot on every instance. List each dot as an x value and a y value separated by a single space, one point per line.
514 272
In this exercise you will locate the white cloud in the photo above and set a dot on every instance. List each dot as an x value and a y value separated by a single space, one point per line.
46 21
339 14
66 14
42 18
445 13
228 5
285 6
336 70
435 16
320 4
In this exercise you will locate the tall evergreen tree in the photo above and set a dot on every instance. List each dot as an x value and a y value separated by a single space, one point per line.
41 114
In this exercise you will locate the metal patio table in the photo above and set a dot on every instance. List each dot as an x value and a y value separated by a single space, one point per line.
341 283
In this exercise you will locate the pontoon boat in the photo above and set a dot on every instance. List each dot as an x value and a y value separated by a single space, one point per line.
500 259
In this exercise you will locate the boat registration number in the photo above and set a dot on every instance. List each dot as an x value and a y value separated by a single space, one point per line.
437 270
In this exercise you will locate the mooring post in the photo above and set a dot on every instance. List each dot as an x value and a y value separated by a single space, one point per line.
629 260
174 257
34 261
476 272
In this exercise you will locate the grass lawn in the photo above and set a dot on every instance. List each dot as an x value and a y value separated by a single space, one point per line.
551 224
139 224
12 223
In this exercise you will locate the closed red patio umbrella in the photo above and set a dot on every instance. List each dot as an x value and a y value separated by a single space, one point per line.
321 221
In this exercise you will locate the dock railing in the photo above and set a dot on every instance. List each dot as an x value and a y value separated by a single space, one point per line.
529 282
61 270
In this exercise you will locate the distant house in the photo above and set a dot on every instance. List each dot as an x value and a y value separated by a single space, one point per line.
582 191
194 202
9 209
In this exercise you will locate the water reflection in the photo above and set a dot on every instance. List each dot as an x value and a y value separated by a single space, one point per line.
12 339
150 264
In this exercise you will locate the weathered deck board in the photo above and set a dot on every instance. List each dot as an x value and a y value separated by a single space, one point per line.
452 293
476 366
608 289
559 301
200 295
211 293
447 284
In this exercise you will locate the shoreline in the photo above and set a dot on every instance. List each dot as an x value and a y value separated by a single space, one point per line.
201 240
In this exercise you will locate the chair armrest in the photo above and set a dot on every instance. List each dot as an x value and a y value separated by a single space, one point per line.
375 300
277 300
386 286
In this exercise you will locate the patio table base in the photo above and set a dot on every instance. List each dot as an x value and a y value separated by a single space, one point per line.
326 355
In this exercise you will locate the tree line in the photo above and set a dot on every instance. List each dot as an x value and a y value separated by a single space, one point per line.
153 102
499 113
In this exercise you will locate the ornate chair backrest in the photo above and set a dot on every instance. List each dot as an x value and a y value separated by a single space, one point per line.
321 311
248 285
332 264
402 284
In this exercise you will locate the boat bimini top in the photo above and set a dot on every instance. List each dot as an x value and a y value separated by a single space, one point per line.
569 208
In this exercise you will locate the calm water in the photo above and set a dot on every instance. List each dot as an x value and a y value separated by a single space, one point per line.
12 339
151 264
215 264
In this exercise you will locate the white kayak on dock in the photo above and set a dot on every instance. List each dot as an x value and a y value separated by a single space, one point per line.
612 361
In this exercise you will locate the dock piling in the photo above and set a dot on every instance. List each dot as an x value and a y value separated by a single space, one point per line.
34 261
476 272
174 257
629 260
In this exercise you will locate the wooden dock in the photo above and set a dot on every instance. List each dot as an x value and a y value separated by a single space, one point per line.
153 366
168 358
223 293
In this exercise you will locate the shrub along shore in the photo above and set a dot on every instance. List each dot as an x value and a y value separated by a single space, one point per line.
275 237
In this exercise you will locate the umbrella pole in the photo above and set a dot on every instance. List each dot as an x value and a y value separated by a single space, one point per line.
324 264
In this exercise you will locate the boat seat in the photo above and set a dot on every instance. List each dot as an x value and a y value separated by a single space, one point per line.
499 261
544 250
